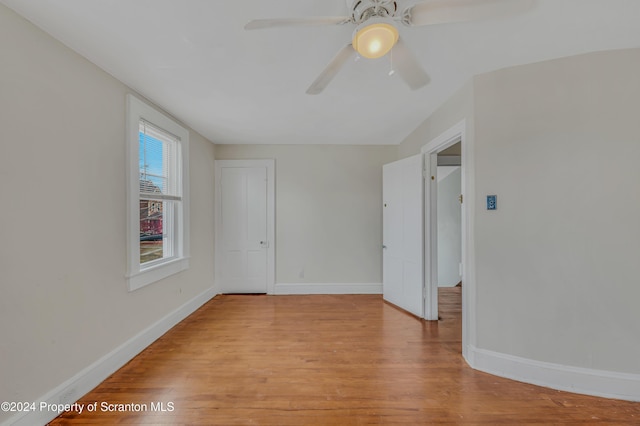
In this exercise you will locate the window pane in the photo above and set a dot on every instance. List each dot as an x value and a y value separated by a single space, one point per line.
158 160
152 236
156 230
153 169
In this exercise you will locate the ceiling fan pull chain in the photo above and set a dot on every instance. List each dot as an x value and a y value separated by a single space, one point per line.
391 70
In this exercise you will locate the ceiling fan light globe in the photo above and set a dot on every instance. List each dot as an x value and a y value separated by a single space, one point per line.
375 38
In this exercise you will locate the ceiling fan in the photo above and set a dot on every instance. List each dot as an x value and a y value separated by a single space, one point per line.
376 32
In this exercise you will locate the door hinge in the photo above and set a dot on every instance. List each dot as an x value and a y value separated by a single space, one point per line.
460 198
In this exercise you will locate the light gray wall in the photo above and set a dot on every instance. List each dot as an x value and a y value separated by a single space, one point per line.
64 301
449 228
557 263
328 210
459 107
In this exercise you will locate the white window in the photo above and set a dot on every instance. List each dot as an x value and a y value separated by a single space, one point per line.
158 195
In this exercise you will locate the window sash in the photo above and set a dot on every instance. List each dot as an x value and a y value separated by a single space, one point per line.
169 245
171 186
164 188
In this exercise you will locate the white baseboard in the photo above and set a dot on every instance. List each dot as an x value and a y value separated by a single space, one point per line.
328 288
73 389
607 384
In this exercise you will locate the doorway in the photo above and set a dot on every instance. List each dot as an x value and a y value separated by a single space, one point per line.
440 145
449 224
449 216
444 227
244 226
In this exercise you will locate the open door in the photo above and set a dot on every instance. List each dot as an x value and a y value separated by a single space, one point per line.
402 236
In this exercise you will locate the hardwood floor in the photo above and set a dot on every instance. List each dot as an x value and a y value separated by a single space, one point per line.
326 360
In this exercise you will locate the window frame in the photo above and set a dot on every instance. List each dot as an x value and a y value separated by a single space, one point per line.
140 275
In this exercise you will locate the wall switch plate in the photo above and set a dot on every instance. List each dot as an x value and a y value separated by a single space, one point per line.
492 202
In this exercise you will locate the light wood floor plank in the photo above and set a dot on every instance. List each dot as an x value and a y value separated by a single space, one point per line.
328 360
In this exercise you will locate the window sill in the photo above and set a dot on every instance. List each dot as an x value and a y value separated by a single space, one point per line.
156 273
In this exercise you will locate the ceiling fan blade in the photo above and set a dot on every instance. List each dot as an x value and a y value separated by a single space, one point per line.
447 11
257 24
331 70
406 65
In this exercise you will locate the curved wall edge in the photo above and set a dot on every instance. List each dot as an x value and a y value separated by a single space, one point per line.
607 384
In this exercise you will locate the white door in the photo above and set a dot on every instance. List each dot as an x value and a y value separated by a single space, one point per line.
243 238
402 259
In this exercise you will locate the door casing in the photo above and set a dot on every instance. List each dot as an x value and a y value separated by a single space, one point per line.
455 134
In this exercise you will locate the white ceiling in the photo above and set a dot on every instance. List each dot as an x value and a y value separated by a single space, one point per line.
193 58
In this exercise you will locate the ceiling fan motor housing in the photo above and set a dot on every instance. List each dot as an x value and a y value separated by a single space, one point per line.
362 10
